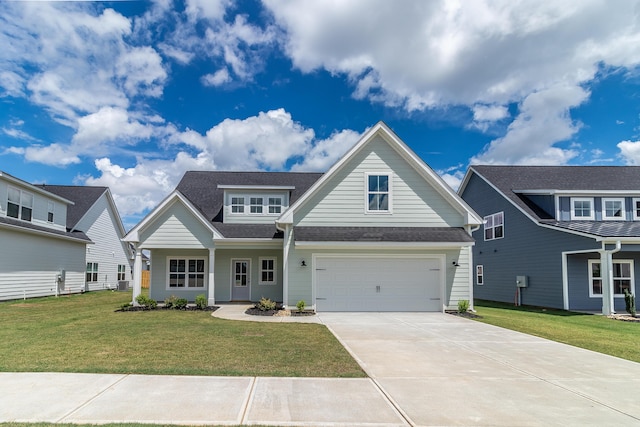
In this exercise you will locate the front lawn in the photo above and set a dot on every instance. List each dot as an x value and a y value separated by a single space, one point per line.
83 333
593 332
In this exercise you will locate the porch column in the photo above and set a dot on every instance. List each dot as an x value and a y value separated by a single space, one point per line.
285 265
137 274
211 300
606 274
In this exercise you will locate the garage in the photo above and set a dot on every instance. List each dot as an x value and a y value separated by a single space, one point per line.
378 283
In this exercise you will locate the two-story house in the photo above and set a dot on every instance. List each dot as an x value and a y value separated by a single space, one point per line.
58 239
556 236
379 231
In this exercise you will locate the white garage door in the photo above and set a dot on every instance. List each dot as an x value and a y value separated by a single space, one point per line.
378 284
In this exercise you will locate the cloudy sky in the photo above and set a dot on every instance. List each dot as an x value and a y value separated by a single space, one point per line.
132 94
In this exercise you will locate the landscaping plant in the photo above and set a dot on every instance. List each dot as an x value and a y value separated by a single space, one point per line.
301 304
463 306
265 304
201 302
630 302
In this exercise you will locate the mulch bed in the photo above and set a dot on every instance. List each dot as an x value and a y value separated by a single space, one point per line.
467 314
278 312
187 308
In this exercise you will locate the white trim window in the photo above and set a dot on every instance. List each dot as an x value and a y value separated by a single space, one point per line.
267 271
582 208
378 197
92 272
494 226
122 272
479 275
50 211
185 273
622 278
255 205
636 209
19 204
613 209
237 205
275 205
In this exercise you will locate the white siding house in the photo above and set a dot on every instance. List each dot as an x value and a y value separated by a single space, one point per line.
380 231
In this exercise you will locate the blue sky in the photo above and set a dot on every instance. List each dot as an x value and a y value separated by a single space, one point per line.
130 95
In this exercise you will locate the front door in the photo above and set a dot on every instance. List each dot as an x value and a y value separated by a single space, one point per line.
240 280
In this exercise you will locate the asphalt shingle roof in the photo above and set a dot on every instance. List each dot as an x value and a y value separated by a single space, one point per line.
29 226
83 198
382 234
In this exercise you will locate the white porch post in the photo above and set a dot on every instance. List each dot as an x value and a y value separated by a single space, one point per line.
606 273
285 265
211 300
137 274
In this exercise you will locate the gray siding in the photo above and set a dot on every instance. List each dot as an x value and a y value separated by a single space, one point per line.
29 264
527 249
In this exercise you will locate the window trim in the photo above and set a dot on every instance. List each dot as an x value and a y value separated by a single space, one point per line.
277 208
592 209
265 208
21 205
94 272
274 270
604 209
636 208
186 273
239 205
615 261
122 275
493 227
51 209
480 274
389 192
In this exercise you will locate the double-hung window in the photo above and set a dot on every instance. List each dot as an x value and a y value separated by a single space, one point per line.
50 209
186 273
275 205
613 209
19 204
237 204
267 271
636 209
622 277
494 226
255 205
122 271
582 209
92 272
378 193
479 274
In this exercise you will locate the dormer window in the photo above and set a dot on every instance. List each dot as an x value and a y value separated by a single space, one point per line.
613 209
237 204
275 205
255 205
582 209
50 209
19 204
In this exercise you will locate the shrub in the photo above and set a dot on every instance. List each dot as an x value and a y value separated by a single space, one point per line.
201 302
463 306
169 302
301 304
630 303
265 304
181 303
146 302
126 306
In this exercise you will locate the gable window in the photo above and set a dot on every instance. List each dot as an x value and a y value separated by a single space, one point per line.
613 209
186 273
267 271
255 204
378 193
19 204
636 209
237 204
622 277
582 208
92 272
275 205
479 275
122 269
494 226
50 210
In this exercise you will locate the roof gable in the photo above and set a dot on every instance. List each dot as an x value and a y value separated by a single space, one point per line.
83 198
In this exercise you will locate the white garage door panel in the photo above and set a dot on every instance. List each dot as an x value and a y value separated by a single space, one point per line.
377 284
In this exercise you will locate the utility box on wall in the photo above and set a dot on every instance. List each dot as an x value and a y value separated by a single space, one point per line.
522 282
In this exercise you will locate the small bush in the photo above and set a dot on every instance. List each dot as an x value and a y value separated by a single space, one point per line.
181 304
201 302
146 302
630 303
301 305
265 304
463 306
126 306
169 302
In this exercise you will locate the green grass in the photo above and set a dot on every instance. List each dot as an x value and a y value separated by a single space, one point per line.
593 332
83 333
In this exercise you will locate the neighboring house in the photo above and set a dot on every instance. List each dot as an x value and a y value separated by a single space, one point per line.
571 234
108 259
380 231
39 254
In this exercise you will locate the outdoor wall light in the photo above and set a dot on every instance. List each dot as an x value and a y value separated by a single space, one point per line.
303 263
455 264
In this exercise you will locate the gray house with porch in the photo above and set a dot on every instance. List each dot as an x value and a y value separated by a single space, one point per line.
556 236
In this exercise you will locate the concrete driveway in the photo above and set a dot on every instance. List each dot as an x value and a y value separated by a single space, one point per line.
440 369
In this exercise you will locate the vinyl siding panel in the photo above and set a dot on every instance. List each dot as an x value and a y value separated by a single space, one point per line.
30 263
40 207
176 227
526 250
342 199
101 225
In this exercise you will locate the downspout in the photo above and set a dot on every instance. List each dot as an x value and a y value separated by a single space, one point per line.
471 267
607 285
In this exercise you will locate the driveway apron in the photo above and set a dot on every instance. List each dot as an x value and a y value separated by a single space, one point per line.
440 369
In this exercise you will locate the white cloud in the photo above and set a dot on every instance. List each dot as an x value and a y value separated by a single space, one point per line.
218 78
453 180
324 153
107 125
630 152
54 155
141 70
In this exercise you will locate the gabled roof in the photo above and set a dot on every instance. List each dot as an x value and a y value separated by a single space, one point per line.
430 176
37 229
517 183
83 198
33 187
